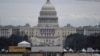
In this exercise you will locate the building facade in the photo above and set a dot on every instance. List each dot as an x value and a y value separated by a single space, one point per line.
88 30
5 32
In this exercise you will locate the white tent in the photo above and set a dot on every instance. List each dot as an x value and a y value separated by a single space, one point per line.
90 50
24 44
2 50
71 50
83 50
65 50
96 50
95 54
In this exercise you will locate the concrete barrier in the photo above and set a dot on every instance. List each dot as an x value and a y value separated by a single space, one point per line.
37 54
77 54
11 55
47 49
42 54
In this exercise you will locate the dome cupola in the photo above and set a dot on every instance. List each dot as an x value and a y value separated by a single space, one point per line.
48 6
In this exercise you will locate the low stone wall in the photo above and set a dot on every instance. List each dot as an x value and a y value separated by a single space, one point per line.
57 54
77 54
37 54
22 54
11 55
47 49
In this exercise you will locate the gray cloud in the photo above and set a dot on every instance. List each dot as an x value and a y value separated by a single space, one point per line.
90 0
19 12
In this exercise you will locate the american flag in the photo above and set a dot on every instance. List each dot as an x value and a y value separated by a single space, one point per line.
47 31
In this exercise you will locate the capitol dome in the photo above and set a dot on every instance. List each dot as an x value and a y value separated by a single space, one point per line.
48 6
48 10
48 15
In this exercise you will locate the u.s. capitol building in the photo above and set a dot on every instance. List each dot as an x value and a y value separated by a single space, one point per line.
47 32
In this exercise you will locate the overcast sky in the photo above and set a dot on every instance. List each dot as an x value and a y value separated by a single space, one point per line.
75 12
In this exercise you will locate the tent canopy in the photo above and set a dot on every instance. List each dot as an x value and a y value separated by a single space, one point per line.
24 42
